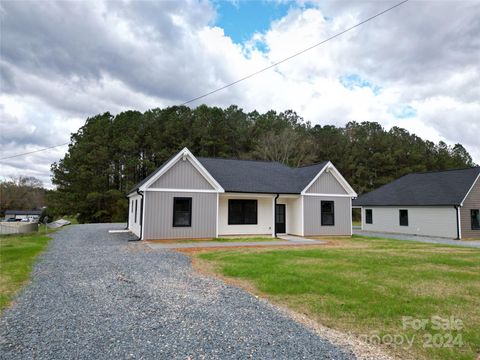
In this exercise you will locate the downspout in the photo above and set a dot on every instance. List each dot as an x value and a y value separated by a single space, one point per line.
275 215
128 211
141 215
459 234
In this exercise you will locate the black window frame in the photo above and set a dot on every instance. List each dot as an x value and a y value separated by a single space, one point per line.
189 199
323 213
131 206
368 216
477 226
403 223
243 217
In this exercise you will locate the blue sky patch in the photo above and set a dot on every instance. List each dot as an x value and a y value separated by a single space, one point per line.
351 81
241 19
405 112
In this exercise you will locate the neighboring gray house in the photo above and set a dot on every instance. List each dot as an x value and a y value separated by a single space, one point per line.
195 198
23 214
441 203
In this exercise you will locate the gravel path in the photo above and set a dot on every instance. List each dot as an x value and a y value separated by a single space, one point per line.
423 239
96 296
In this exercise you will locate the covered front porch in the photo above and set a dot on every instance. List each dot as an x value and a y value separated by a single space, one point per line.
246 214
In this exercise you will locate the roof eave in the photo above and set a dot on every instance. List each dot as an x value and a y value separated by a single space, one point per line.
413 205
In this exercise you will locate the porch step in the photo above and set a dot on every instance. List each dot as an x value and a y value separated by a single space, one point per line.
294 238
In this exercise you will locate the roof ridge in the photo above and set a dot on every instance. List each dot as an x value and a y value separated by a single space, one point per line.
265 161
446 170
316 163
236 159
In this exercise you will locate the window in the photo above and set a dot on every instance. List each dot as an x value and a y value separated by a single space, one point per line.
403 217
136 207
368 216
131 206
475 215
328 214
242 212
182 212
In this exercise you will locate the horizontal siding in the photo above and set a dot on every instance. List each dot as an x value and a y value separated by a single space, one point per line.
159 216
264 224
428 221
182 175
326 184
471 202
312 216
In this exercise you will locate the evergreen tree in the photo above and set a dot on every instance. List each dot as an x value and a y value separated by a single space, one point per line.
110 154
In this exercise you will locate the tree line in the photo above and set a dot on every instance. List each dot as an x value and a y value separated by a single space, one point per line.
110 154
21 193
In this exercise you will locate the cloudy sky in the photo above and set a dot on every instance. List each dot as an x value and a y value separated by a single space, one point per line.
415 67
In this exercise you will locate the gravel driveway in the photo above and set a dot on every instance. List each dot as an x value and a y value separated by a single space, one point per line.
94 295
423 239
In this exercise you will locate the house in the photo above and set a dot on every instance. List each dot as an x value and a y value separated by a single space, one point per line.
197 198
31 215
440 203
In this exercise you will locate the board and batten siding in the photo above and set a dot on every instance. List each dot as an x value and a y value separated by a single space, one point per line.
326 184
471 202
182 175
312 216
158 217
438 221
134 226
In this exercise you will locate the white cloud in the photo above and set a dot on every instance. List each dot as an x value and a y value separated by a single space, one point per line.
63 61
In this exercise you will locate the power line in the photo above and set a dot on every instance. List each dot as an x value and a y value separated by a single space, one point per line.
296 54
254 73
35 151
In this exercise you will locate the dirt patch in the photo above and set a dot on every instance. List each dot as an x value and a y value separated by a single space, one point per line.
251 248
333 243
169 241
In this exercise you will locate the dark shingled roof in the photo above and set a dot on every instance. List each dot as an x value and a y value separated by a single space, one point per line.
23 212
260 176
255 176
423 189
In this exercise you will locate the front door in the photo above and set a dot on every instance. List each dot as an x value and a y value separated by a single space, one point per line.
280 219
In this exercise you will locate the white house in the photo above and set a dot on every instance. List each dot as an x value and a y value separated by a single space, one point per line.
439 203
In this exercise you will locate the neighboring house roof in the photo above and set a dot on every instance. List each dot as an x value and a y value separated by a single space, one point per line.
448 187
260 176
23 212
251 176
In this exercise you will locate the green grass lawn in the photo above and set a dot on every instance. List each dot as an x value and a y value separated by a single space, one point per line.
366 285
17 255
